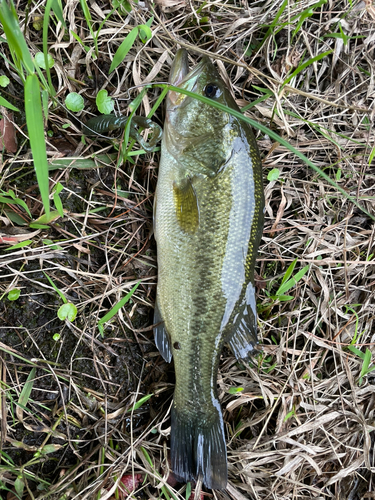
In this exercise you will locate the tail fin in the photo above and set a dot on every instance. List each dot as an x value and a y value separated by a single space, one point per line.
198 448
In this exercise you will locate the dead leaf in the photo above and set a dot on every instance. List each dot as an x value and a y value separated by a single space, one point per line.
8 138
11 235
171 5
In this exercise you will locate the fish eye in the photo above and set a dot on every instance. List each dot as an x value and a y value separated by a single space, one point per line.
211 90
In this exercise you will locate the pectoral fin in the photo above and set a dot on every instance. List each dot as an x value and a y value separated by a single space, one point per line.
186 204
161 335
244 340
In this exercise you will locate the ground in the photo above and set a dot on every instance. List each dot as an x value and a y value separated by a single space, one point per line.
75 411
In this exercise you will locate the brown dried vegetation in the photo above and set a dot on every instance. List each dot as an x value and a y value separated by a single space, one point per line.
303 424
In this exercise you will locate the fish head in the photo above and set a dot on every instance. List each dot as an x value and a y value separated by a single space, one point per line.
195 130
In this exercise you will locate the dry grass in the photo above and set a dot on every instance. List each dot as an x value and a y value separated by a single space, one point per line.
302 427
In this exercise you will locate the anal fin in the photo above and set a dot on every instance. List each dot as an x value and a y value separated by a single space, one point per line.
161 335
244 340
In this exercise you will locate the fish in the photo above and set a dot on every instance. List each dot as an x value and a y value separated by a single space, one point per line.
208 223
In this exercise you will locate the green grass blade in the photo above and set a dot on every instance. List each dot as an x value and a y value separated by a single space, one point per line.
305 64
158 102
27 388
35 127
79 41
56 289
271 134
289 271
87 14
16 201
305 14
44 95
45 44
366 365
57 200
21 244
147 456
139 403
356 351
124 48
371 157
57 10
133 106
366 361
7 104
118 306
257 101
274 22
15 38
293 281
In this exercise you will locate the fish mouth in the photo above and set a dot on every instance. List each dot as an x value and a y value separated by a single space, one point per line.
180 76
179 68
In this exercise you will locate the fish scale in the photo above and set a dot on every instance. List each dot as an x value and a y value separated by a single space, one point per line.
208 219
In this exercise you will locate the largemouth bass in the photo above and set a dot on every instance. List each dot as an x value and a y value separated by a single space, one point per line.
208 223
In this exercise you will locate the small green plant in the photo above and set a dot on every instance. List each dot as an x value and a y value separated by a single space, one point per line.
8 105
74 102
116 308
276 26
123 6
139 403
4 81
366 356
266 94
87 14
264 362
40 60
68 311
9 198
104 103
273 175
14 294
371 156
145 34
289 282
307 63
235 390
29 71
20 475
56 198
164 489
305 15
291 414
